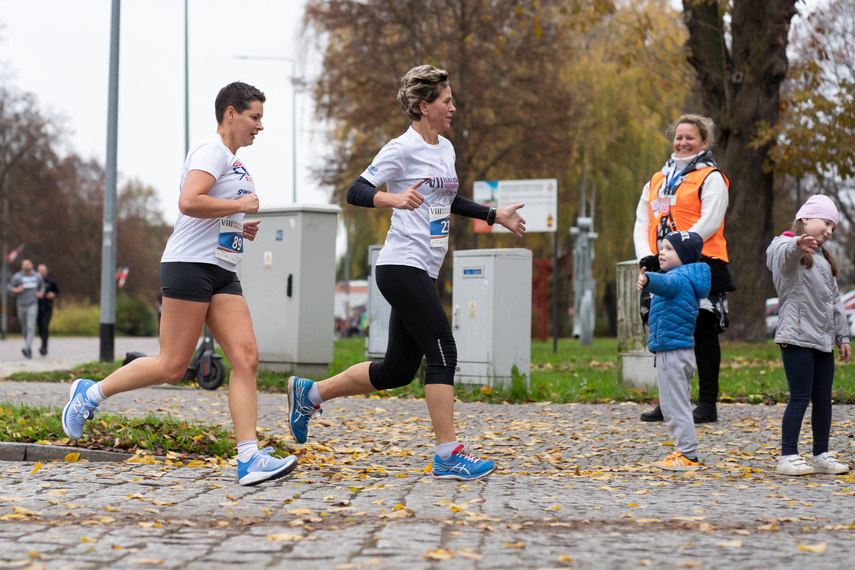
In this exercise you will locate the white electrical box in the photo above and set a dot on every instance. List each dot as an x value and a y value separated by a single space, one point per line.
491 315
288 280
379 311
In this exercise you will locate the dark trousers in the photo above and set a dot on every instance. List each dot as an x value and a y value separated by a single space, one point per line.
810 374
43 322
418 327
707 357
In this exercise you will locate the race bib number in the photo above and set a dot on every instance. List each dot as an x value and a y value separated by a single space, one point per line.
663 204
230 245
440 222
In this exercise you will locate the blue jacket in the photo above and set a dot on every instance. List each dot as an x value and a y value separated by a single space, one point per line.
677 296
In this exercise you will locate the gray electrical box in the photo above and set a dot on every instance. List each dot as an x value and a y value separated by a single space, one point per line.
491 315
379 311
288 280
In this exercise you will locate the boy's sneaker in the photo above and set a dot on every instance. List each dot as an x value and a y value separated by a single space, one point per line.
793 465
78 409
264 467
829 464
677 462
300 408
461 466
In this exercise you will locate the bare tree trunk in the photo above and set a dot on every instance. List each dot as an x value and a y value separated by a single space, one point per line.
740 87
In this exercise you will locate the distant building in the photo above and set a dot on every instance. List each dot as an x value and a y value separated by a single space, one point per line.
358 297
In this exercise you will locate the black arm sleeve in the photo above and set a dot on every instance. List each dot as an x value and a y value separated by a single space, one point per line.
361 193
469 209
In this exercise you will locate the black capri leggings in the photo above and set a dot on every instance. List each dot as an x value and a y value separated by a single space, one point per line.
418 327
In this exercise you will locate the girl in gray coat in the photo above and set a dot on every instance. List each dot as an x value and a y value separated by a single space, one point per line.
811 320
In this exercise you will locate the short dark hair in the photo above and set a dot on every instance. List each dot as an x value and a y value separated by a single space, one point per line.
238 95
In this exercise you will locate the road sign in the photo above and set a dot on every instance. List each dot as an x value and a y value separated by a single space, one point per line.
540 197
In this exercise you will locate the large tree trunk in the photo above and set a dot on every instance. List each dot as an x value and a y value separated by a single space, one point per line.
740 88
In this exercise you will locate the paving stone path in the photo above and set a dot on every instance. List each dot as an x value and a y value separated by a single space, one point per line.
574 488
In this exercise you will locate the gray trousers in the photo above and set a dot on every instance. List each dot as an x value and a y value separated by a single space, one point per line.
674 372
27 315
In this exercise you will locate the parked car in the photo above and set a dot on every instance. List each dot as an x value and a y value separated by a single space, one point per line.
771 316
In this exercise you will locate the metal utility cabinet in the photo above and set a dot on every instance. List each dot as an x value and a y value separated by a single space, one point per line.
491 315
288 279
379 311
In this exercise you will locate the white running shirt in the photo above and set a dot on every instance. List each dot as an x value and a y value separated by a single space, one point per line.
196 239
417 238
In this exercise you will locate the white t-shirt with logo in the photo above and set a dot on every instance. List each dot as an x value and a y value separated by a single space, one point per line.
212 240
417 238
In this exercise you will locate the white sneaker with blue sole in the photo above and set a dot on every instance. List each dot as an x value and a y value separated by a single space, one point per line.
264 467
79 409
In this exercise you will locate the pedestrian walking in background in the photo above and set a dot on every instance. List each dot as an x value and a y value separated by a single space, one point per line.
200 285
690 193
46 307
29 287
677 295
811 320
421 189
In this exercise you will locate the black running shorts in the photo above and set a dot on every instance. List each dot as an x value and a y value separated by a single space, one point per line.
197 281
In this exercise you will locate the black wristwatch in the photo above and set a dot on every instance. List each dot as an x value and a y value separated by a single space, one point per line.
491 216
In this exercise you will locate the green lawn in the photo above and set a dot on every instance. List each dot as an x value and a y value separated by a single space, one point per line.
749 373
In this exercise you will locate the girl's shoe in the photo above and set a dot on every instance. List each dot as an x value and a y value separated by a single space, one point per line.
793 465
828 463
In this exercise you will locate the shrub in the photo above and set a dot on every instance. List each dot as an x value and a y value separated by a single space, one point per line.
135 316
76 318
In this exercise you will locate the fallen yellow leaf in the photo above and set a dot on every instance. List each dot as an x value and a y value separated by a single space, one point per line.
817 548
72 457
439 554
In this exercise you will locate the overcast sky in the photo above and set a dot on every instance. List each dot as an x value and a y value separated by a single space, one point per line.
59 50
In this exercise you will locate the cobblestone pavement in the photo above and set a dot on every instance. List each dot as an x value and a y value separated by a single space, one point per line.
574 488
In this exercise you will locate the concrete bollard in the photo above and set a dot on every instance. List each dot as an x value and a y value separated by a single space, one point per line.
635 362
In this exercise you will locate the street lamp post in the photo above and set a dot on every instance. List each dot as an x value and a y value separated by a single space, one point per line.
293 114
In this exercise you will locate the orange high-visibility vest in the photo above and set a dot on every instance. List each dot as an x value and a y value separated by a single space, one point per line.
686 209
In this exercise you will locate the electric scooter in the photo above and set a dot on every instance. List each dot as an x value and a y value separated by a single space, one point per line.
206 367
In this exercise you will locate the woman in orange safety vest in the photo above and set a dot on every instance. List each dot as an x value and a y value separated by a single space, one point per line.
690 193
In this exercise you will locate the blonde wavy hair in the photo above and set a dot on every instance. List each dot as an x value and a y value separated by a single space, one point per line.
421 83
705 126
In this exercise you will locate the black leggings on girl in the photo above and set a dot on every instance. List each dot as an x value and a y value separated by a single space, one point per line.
418 327
810 374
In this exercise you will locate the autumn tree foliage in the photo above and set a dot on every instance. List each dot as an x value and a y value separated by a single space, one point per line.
543 89
56 206
739 71
816 135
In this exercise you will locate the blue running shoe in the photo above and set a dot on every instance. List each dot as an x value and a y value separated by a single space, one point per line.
461 466
300 408
264 467
78 409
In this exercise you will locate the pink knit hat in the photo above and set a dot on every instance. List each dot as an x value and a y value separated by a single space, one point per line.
818 206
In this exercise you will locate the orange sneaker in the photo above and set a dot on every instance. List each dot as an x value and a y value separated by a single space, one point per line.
677 462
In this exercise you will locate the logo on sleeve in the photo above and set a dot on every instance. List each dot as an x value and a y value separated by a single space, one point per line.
373 170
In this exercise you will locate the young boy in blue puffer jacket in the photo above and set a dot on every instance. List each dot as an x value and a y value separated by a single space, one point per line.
677 293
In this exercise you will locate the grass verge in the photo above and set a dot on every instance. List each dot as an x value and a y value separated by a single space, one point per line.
174 438
573 373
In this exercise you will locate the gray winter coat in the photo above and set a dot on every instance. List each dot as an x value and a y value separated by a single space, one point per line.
811 313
